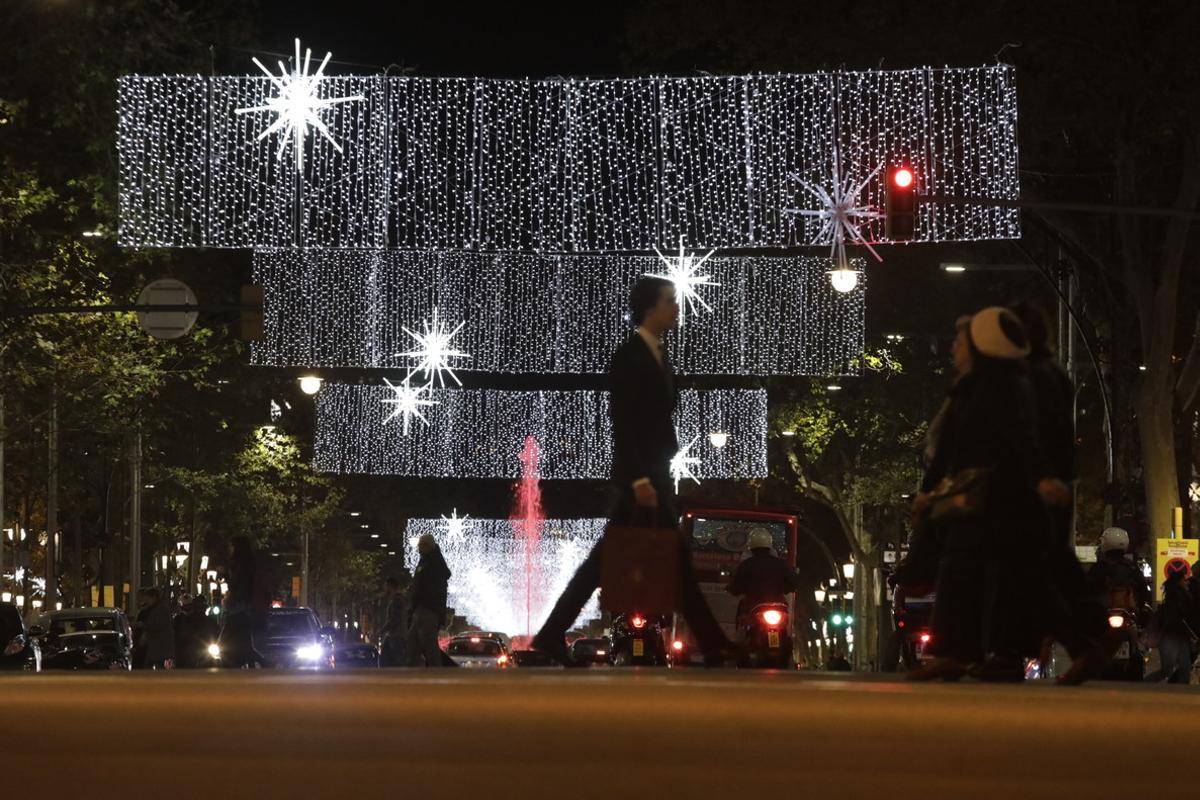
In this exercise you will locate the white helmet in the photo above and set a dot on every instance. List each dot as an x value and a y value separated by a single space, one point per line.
1114 539
760 537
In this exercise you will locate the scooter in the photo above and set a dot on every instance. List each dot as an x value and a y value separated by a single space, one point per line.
1128 661
638 640
766 641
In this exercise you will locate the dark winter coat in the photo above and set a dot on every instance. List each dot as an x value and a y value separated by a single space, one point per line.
763 578
1055 397
994 425
430 582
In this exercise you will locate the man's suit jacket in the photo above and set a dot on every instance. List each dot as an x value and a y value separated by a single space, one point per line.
641 406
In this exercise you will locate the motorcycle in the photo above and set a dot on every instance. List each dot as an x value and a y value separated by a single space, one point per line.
638 640
1128 661
766 641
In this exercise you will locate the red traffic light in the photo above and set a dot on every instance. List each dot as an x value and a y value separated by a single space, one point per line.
900 220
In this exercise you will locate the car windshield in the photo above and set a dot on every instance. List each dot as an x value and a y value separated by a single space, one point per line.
474 647
290 624
65 627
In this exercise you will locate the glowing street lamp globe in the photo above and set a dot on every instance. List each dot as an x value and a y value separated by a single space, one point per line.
844 280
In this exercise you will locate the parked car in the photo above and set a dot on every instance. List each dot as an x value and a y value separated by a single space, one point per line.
481 652
85 639
532 658
292 639
18 650
591 651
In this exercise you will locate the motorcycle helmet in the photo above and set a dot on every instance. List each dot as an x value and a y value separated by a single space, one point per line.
1114 539
760 537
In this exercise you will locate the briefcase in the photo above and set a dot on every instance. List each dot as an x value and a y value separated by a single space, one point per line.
639 570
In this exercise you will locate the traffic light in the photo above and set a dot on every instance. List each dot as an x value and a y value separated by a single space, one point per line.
900 220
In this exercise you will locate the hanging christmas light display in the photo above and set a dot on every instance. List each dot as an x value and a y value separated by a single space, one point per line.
556 165
549 314
476 433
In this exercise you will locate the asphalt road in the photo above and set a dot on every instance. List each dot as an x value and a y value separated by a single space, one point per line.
583 734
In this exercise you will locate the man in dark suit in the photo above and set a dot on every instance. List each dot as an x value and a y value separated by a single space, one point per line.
641 403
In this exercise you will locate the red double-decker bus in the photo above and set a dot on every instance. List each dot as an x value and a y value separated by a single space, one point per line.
719 536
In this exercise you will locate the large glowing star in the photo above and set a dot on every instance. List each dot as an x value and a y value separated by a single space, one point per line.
681 271
682 463
408 402
456 526
434 353
841 213
296 104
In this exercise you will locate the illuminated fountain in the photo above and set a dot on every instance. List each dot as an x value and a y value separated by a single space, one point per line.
507 573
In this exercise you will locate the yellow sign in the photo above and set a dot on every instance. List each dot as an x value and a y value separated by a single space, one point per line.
1169 550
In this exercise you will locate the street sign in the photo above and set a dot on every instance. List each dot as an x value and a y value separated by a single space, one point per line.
167 324
1169 551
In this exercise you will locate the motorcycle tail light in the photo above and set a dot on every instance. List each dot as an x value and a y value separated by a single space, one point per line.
772 616
638 621
925 638
676 645
1116 621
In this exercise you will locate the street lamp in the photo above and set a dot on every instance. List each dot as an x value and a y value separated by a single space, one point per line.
844 280
848 571
310 384
819 595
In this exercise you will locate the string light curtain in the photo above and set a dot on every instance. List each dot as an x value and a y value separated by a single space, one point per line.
561 165
549 314
492 564
478 433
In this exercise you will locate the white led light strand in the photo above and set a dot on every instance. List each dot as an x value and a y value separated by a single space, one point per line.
549 314
479 433
489 564
559 165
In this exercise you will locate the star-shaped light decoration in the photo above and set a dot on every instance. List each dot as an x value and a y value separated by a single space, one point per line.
297 105
434 353
456 526
681 271
682 463
408 403
842 217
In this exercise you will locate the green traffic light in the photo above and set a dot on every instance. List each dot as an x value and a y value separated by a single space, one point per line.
849 620
837 620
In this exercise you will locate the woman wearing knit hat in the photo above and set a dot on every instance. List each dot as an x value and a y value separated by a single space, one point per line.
993 483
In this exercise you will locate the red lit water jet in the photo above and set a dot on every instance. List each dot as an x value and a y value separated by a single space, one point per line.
528 520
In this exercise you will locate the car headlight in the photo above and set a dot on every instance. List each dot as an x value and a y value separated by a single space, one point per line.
214 650
310 652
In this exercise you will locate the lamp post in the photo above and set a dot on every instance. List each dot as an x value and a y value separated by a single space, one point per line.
310 385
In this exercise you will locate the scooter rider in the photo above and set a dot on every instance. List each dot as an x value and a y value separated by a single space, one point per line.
763 577
1114 577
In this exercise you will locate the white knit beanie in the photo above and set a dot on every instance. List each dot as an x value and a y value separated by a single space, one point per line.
997 333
